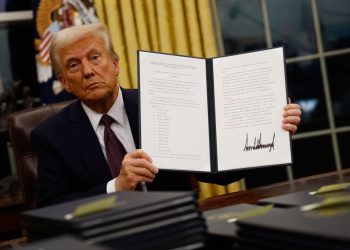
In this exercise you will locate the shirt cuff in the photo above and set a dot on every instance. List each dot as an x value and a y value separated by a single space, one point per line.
110 188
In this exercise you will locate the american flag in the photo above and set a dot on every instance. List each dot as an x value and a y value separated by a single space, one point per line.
44 48
81 12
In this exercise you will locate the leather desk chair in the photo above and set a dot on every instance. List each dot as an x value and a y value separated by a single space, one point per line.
20 125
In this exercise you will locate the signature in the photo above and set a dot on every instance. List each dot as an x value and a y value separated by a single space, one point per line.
258 145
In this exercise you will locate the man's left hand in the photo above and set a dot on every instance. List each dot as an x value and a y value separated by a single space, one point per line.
291 117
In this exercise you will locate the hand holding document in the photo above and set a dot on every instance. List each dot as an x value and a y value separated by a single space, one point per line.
213 115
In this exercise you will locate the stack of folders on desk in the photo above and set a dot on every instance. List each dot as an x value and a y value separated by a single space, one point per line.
62 242
125 220
298 199
318 219
221 223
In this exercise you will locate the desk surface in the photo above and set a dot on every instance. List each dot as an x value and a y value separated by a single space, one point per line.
251 196
11 207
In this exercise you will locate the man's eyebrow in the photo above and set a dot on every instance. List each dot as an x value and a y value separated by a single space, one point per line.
70 59
93 49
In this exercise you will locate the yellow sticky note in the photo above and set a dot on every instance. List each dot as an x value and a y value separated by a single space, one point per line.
332 188
331 201
93 207
259 211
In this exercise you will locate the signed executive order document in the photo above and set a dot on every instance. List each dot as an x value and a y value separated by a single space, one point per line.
213 115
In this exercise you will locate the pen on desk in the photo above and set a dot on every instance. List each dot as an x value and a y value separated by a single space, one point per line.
143 186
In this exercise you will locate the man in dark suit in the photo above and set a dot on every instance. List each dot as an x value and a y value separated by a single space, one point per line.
74 158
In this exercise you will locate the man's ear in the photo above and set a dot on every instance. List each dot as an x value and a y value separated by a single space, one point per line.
65 84
116 67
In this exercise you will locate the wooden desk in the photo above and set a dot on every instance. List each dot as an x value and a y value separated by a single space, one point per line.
251 196
10 210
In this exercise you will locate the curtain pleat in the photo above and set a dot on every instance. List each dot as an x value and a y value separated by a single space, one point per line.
115 27
217 29
130 36
207 28
152 22
142 25
99 6
179 34
165 29
194 34
186 27
233 187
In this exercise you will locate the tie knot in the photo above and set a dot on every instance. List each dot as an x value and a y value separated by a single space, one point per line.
106 120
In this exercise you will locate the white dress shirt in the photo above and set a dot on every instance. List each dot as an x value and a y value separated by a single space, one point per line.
121 128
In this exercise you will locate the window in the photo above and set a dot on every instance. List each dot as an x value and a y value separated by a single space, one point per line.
316 37
18 84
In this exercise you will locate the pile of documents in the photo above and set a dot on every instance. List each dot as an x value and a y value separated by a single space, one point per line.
312 219
309 220
294 229
222 227
59 243
124 220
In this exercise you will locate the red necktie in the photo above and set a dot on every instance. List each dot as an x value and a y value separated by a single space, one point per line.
115 150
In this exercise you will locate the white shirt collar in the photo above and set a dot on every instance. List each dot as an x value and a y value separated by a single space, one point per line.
116 112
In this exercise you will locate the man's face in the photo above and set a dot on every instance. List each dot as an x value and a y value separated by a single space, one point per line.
88 71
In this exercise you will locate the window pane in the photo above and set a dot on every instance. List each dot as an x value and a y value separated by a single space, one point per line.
338 69
241 25
291 25
18 78
343 141
312 156
305 88
15 5
5 68
21 41
335 23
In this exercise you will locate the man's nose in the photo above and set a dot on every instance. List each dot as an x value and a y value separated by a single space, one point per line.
87 69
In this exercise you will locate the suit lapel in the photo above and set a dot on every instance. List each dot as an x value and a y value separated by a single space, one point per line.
86 143
85 140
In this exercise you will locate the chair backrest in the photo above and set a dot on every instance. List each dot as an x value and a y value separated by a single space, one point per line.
20 125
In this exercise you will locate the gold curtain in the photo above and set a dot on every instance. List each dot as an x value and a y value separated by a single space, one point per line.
185 27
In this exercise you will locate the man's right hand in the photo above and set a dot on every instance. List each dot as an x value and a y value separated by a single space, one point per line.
136 167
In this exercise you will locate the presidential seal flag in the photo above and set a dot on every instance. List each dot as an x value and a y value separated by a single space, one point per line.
50 17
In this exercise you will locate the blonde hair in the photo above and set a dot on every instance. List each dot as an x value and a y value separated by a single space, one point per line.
72 34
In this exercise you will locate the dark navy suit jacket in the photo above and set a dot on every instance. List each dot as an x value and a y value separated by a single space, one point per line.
71 163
